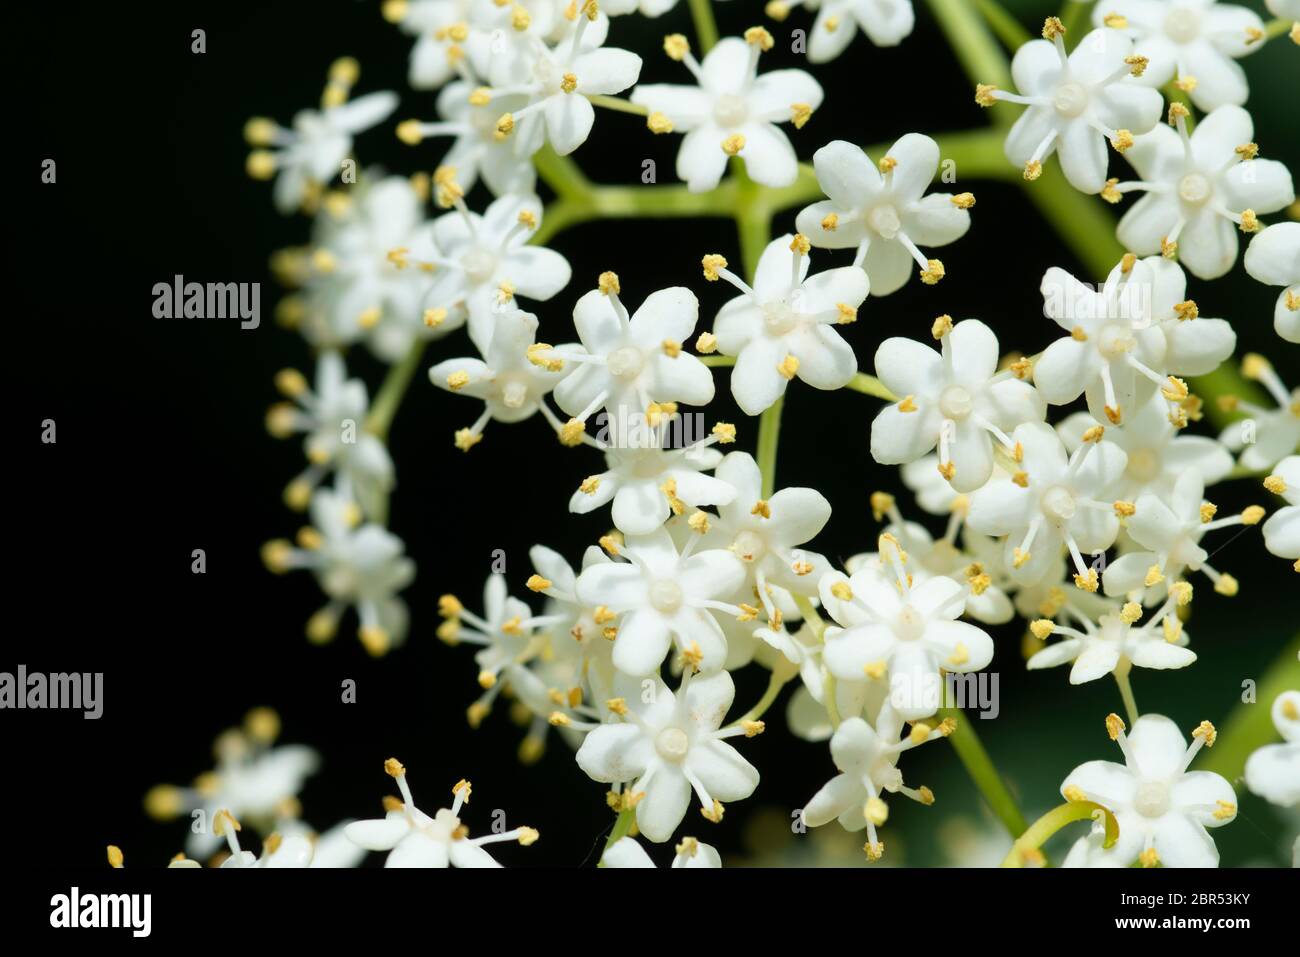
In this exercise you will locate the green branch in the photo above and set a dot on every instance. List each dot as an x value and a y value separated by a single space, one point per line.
1026 847
980 767
706 29
1007 28
393 389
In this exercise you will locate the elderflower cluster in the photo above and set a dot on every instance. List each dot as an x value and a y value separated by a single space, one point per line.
1074 485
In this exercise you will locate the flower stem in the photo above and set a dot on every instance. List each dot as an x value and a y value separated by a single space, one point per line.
390 394
769 432
980 767
1074 17
622 826
781 676
718 360
617 103
972 43
1026 848
1003 24
870 385
706 30
1121 672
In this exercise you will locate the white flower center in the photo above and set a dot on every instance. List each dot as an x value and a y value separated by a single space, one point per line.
910 624
1152 799
884 220
730 110
1143 465
1058 503
665 596
672 744
778 317
479 265
625 363
1070 99
748 546
1194 188
955 402
1115 340
1183 25
513 393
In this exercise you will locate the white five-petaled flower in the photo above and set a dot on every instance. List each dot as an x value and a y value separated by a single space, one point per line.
867 760
441 29
509 384
629 362
1273 771
893 630
882 210
663 746
1282 530
661 596
1193 42
1076 102
1115 642
1201 188
362 285
359 565
562 77
1127 339
1273 258
483 261
1158 451
414 839
885 22
733 111
1170 530
1265 436
333 415
1052 500
689 852
312 152
954 398
782 327
506 632
278 851
649 483
252 779
1162 808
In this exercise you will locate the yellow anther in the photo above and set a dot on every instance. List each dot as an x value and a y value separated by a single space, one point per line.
759 37
733 144
465 439
887 164
712 263
114 856
1115 21
714 813
676 46
1125 509
874 850
1123 141
481 96
458 380
1053 28
1020 477
830 222
842 590
753 728
260 165
800 114
658 123
1181 592
726 433
1149 858
932 272
907 404
1087 582
1275 484
777 9
1131 612
788 366
1109 192
611 543
1206 730
984 94
699 522
505 125
876 811
1114 726
571 432
1042 628
1227 586
1033 170
941 326
1208 511
569 82
435 316
846 314
963 200
1073 792
1018 557
1249 221
1114 414
881 504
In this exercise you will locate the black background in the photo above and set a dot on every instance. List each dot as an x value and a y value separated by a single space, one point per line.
161 447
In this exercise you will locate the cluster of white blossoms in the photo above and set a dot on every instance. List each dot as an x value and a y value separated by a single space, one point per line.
1091 523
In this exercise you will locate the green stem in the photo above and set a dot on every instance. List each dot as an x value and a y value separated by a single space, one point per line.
973 44
393 389
1226 380
980 767
1074 17
716 361
1251 723
706 29
617 103
781 676
1007 28
1082 221
1026 847
870 385
769 433
1126 690
622 826
1277 28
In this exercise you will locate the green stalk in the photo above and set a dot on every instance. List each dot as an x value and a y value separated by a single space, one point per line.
706 29
870 385
1074 17
1026 847
393 389
622 827
769 433
981 770
1007 28
972 43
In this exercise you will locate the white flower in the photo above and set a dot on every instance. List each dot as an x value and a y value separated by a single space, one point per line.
505 633
1162 808
1076 102
647 8
252 779
1273 771
628 363
662 596
782 327
648 484
1266 436
562 77
1282 530
278 851
954 398
363 285
665 745
509 384
312 152
1115 642
892 629
477 151
357 565
1286 9
414 839
1170 531
1200 189
885 22
334 417
626 852
882 210
1158 451
732 111
484 261
1127 339
867 759
1052 500
1193 42
1273 257
432 23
